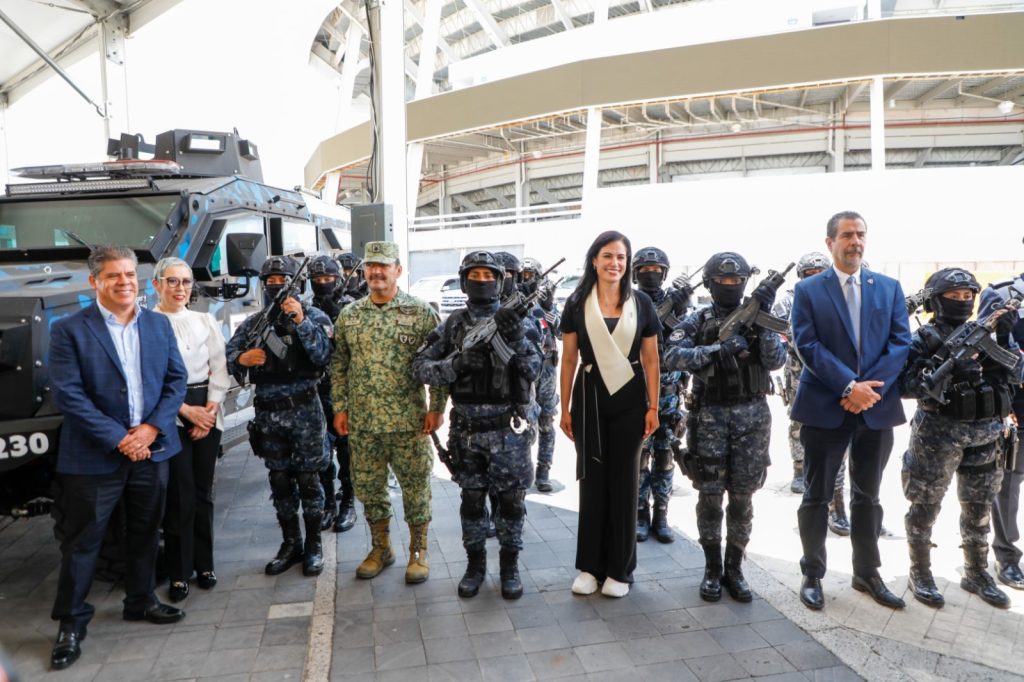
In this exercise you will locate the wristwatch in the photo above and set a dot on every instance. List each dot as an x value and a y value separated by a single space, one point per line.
848 390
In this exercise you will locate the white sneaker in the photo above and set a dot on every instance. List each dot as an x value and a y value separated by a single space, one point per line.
585 583
613 588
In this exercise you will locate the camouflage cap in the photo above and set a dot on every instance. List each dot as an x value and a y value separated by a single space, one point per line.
385 253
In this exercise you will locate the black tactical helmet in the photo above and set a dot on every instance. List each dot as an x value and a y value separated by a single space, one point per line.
279 265
812 261
511 264
532 265
725 264
650 255
348 260
480 259
945 280
323 265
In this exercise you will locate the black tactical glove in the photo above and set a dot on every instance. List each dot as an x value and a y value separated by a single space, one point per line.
765 295
969 370
470 360
680 298
733 345
546 299
509 324
1004 325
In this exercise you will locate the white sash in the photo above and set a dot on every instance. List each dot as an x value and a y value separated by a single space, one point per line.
611 350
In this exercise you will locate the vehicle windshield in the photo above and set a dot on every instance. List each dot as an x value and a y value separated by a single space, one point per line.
131 221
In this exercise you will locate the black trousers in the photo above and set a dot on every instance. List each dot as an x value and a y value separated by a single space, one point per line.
823 455
606 538
188 521
84 506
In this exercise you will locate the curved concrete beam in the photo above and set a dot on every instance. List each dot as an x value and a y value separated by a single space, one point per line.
888 47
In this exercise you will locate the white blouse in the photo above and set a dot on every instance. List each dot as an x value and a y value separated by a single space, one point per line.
201 345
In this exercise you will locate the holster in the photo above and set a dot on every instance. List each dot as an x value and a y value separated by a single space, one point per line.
261 442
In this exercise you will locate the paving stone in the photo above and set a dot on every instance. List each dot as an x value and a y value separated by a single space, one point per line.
780 632
599 657
542 638
808 655
286 631
436 627
393 631
482 622
631 627
242 637
587 632
764 661
456 671
358 661
494 644
514 668
400 655
554 663
716 668
229 662
124 670
737 638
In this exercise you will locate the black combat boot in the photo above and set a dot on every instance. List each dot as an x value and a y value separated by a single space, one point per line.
476 572
797 485
659 524
313 562
290 552
330 512
977 580
920 580
346 516
643 521
542 481
711 586
733 579
511 586
837 521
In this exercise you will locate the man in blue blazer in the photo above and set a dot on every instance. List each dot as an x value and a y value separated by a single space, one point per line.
119 381
851 331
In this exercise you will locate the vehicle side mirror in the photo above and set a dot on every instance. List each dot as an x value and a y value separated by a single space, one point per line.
246 252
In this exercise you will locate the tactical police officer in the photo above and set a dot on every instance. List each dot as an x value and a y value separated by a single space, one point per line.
650 271
357 286
288 429
490 434
729 424
330 297
547 316
954 432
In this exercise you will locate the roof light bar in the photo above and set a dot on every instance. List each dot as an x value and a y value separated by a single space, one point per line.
127 167
41 188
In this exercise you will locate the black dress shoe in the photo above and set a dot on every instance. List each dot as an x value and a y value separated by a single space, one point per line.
178 590
206 580
811 594
838 522
66 649
875 586
1010 575
160 614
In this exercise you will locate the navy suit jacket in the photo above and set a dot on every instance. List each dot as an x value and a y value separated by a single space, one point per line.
823 334
91 391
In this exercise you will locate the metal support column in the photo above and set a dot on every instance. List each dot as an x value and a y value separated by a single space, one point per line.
874 9
424 88
349 71
4 157
113 75
600 11
877 124
591 157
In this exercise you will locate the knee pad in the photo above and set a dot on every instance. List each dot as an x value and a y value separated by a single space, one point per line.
513 504
309 484
281 484
663 460
473 503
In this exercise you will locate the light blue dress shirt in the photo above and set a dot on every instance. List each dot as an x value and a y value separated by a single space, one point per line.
126 343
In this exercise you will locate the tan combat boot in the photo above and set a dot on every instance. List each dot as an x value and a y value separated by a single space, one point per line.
419 564
380 555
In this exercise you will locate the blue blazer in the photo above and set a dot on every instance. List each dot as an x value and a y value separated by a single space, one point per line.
823 334
91 391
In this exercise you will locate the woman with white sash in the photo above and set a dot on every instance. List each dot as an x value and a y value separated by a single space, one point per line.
614 330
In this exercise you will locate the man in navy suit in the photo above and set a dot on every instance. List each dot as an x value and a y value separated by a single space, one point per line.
119 381
851 331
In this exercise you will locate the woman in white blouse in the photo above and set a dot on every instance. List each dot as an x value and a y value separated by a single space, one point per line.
188 521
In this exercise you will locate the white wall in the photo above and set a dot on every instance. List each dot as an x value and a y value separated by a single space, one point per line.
204 65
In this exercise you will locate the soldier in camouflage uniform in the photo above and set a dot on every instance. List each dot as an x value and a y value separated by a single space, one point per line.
957 436
547 316
650 271
490 433
729 422
288 429
330 297
382 408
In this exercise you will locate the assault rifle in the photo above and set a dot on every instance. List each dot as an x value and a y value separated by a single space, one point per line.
666 309
915 301
1009 440
486 331
261 333
965 343
443 454
749 313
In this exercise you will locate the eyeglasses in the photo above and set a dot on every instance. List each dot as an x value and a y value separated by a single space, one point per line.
175 282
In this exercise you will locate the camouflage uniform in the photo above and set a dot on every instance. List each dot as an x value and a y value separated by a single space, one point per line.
288 430
371 381
547 386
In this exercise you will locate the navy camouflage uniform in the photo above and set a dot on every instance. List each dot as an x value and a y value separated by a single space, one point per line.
728 437
547 384
288 429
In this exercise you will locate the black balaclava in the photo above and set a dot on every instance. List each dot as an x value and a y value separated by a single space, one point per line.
508 287
952 312
726 296
650 281
325 290
482 292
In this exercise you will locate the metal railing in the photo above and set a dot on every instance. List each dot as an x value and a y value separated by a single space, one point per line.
501 216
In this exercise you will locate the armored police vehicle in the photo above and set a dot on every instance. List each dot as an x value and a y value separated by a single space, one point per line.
199 197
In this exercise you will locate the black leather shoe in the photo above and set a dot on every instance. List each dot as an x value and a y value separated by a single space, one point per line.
159 614
875 586
922 586
178 590
811 594
979 582
1010 575
206 580
66 649
838 523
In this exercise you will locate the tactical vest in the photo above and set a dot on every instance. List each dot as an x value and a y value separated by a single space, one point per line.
491 385
989 399
732 379
295 364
